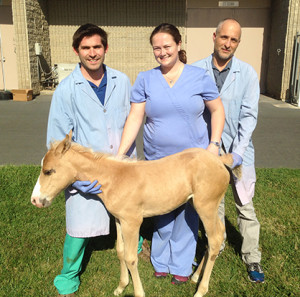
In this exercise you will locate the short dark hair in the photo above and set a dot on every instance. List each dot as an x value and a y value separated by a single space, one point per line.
220 24
88 30
174 32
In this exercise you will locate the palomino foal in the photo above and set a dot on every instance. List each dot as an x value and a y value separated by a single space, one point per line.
132 190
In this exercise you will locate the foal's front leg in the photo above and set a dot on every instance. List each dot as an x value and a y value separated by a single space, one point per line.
124 276
130 232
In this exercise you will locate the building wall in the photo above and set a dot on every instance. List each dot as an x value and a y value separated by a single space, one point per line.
128 23
29 17
254 17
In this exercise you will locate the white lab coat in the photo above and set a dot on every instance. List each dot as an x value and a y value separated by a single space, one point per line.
75 106
240 95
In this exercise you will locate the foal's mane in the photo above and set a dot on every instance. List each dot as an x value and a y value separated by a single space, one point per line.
81 149
96 155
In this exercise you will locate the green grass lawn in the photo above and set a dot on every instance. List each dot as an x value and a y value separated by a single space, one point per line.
31 244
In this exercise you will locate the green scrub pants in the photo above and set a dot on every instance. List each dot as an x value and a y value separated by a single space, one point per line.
68 281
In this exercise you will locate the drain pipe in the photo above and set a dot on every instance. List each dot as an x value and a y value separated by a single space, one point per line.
298 35
2 61
295 75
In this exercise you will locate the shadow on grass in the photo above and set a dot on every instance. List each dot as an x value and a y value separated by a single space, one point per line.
234 239
107 242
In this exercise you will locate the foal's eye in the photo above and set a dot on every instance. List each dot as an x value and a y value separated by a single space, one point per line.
49 172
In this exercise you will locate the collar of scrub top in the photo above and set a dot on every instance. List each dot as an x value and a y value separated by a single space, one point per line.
228 66
220 76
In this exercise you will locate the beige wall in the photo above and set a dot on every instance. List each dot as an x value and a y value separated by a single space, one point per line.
128 23
29 17
254 18
22 47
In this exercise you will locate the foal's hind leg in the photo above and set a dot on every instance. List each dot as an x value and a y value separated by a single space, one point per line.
214 231
124 275
199 272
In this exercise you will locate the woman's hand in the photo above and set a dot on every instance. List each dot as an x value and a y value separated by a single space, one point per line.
213 148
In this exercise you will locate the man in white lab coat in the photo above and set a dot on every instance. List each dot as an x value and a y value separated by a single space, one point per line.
238 85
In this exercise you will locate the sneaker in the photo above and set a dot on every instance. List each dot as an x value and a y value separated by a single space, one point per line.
255 273
160 274
179 280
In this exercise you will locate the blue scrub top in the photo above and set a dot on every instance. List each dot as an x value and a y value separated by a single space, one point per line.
101 89
174 116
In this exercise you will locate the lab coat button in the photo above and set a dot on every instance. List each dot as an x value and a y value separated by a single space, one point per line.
104 110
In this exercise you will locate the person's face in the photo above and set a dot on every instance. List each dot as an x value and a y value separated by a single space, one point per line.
226 40
91 53
165 49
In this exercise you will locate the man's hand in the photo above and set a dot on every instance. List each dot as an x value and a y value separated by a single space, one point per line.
237 160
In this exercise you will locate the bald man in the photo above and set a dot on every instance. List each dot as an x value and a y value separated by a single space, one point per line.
238 85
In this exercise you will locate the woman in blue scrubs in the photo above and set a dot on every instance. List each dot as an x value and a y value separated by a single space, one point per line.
173 97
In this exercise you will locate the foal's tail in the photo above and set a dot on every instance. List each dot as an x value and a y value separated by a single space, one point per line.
228 161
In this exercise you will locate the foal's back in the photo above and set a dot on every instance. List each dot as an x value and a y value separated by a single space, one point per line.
158 187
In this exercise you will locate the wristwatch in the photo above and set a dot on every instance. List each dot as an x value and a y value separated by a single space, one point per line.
216 143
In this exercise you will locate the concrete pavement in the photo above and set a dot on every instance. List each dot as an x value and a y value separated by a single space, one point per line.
23 132
277 135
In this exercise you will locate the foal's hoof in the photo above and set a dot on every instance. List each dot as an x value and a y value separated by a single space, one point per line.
194 278
118 291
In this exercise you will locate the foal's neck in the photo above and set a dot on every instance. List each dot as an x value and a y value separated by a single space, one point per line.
88 164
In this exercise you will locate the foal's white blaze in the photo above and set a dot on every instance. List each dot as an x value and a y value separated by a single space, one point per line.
36 193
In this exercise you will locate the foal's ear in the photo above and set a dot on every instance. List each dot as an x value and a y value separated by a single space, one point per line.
70 135
64 146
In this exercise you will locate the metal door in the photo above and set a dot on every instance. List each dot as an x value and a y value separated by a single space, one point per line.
8 57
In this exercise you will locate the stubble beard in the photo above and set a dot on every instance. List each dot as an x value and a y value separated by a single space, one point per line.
223 57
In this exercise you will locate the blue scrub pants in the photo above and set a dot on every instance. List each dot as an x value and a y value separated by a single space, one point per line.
174 241
68 281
